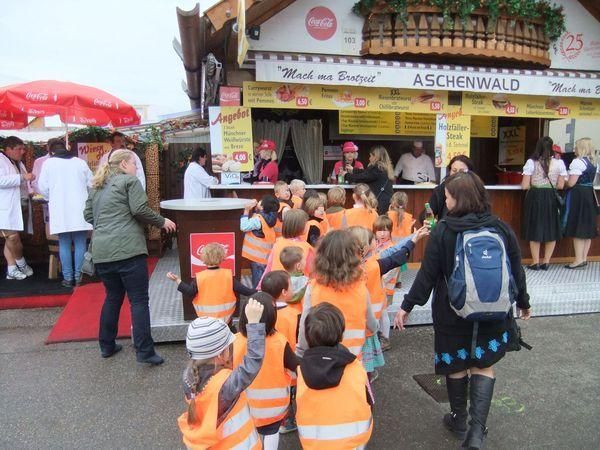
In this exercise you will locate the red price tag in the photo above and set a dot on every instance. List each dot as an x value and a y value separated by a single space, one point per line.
301 101
510 109
563 111
360 102
241 157
435 106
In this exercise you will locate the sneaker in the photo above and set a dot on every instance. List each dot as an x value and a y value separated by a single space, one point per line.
385 343
288 426
67 283
153 360
117 349
26 269
15 274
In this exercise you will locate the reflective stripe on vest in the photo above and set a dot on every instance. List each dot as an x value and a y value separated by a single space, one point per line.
215 309
376 307
252 442
233 424
266 413
255 248
334 432
350 340
268 394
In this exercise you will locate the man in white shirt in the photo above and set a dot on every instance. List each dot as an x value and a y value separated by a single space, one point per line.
196 181
117 142
415 167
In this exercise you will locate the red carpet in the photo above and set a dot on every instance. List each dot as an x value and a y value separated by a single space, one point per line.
37 301
80 319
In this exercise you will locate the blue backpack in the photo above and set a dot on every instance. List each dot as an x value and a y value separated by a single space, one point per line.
481 287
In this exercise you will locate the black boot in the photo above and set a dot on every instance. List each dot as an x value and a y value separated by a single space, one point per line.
481 392
456 419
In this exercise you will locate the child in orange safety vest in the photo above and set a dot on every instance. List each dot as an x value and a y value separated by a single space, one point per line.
373 268
317 220
402 221
335 212
293 261
281 190
364 211
259 237
334 399
298 189
218 414
214 290
269 393
277 284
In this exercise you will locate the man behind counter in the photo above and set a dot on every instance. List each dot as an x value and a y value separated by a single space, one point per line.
415 167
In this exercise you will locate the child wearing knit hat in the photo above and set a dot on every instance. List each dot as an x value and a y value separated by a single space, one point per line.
218 413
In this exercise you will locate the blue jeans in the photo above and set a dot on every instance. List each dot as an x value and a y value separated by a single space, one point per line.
119 277
66 241
257 272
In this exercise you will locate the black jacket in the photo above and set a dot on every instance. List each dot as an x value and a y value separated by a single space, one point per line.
437 201
437 265
378 181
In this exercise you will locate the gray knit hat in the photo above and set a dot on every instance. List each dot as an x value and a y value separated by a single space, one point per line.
207 337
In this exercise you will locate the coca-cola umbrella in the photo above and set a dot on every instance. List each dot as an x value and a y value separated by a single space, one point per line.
74 103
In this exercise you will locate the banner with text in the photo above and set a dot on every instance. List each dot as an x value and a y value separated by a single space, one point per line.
230 138
504 105
452 137
511 146
91 152
420 76
305 96
406 124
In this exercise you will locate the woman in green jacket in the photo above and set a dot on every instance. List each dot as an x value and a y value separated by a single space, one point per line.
117 207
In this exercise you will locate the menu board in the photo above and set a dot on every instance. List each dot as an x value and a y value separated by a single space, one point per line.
511 146
406 124
351 98
452 137
506 105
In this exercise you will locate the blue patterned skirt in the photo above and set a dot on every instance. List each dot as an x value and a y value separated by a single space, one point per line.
453 352
372 356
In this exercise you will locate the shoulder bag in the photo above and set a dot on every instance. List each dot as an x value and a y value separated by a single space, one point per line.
87 266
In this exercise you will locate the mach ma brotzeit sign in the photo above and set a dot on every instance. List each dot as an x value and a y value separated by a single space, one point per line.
368 73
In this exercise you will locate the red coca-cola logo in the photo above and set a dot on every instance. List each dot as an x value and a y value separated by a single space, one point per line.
321 23
36 96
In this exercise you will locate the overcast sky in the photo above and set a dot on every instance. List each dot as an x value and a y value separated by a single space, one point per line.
121 46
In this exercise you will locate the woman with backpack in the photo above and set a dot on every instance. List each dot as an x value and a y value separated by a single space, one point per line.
464 346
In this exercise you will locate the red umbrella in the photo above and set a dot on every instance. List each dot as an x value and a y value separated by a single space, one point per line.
74 103
12 121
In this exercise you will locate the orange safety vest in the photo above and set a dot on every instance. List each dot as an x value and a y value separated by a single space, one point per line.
269 393
390 278
361 217
322 225
279 224
338 417
296 202
402 229
352 301
337 220
287 324
215 294
282 243
375 287
236 431
255 248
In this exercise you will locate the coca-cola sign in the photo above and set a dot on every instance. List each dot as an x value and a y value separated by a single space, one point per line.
36 96
102 103
321 23
229 96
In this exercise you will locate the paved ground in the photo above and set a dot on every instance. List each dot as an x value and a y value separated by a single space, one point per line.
66 396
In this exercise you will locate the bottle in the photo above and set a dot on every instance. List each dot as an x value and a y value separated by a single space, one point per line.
340 178
429 217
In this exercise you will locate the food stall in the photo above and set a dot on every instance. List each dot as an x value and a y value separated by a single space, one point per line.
314 75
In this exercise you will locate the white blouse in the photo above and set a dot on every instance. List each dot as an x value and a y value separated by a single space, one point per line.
538 177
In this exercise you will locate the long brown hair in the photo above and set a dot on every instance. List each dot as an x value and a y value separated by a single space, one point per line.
338 262
382 161
469 192
398 204
365 195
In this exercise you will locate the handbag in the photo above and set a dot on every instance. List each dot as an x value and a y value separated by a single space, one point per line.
87 265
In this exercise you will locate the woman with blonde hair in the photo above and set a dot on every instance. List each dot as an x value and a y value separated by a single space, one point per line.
582 204
117 207
379 176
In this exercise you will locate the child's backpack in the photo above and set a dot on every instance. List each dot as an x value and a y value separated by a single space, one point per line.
481 287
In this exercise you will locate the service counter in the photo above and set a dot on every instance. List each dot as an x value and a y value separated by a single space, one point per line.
507 203
197 222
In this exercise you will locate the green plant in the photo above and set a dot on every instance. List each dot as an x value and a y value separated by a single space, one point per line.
89 134
553 17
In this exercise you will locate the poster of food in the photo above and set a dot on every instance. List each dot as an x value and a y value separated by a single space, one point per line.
452 137
230 138
351 98
507 105
91 152
511 146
